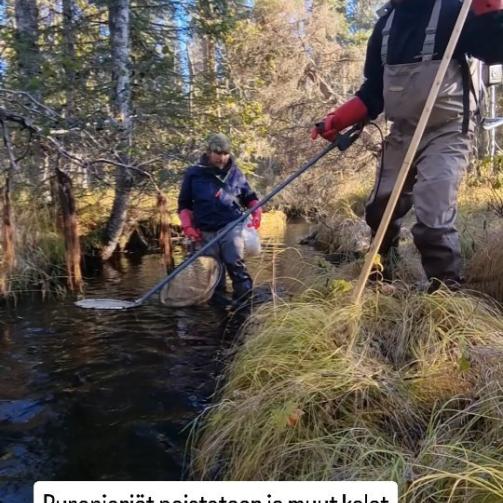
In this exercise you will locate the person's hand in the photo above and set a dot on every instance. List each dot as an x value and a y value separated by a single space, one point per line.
188 227
337 119
480 7
328 128
256 216
192 233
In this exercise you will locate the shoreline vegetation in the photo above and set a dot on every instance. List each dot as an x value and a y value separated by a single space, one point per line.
407 387
103 105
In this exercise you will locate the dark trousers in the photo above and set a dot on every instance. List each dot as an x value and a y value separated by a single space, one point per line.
229 250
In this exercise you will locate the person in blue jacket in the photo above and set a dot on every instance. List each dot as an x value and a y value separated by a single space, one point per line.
403 56
213 194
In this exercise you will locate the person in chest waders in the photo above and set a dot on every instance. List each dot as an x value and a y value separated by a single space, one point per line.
212 195
403 56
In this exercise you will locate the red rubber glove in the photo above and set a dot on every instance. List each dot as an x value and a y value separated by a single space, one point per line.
256 216
480 7
188 228
351 112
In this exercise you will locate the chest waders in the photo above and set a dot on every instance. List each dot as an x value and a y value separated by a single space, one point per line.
441 160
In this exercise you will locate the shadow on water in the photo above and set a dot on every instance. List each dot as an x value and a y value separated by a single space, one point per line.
97 395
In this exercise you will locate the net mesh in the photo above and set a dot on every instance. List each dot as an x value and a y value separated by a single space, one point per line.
194 285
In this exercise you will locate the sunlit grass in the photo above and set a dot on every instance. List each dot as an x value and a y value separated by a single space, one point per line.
402 388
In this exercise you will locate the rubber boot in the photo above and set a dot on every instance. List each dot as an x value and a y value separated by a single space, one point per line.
241 282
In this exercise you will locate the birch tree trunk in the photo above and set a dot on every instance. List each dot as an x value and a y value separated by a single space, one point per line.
118 16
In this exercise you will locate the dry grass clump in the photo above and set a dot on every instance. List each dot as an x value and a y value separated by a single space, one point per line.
398 389
341 229
481 233
39 252
335 200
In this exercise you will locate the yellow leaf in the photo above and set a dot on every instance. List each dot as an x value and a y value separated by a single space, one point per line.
377 263
293 419
341 285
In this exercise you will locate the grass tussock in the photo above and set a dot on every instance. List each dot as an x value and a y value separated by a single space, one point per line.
406 388
341 228
39 252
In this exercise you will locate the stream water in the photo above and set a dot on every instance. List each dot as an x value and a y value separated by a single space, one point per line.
110 395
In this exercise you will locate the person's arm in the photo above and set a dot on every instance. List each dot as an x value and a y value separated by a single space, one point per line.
482 36
246 193
185 196
371 91
185 206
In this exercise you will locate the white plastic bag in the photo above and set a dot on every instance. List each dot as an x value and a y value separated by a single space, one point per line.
251 240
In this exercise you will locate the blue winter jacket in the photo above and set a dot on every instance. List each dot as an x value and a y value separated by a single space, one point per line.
215 196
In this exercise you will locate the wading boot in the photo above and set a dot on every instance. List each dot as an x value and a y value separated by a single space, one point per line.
450 284
220 298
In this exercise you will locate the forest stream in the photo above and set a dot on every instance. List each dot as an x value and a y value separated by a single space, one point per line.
110 395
